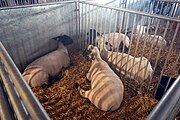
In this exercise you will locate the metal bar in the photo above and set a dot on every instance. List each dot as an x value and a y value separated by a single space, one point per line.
82 21
6 112
134 12
85 25
13 96
168 107
104 31
96 25
168 54
133 28
159 53
89 21
92 25
120 28
176 62
171 1
35 5
31 103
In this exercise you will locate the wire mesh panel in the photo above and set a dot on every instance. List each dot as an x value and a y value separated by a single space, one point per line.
158 43
151 38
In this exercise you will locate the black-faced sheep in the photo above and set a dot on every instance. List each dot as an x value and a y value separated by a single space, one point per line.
48 66
107 89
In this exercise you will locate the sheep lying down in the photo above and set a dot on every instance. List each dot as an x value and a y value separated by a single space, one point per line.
107 89
39 71
134 68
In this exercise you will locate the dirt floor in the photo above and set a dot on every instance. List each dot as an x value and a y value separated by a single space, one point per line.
61 101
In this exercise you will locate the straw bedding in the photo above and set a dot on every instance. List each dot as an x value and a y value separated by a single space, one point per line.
61 101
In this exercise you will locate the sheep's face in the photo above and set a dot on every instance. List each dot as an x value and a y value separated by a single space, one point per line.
90 52
100 43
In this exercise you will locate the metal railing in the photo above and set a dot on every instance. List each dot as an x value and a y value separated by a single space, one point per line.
30 103
169 106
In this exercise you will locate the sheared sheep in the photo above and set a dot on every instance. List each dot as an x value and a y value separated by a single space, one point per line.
126 64
117 40
157 40
107 89
48 66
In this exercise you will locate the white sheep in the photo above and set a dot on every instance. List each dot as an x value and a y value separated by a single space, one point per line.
157 40
39 71
107 89
123 63
116 40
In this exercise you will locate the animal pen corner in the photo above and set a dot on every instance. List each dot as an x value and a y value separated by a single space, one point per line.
28 35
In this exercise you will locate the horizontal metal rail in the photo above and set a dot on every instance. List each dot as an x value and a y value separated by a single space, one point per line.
170 1
31 103
5 110
133 12
13 96
169 106
35 5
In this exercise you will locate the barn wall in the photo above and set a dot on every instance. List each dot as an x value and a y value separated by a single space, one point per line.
27 33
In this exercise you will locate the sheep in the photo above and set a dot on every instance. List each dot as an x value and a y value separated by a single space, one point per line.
117 39
107 89
48 66
156 40
123 63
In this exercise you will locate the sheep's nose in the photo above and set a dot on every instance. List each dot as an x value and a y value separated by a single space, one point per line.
86 52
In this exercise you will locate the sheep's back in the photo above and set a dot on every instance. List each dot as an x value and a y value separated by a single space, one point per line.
53 62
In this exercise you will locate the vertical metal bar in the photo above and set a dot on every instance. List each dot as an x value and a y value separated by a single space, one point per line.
131 39
137 43
101 21
6 112
109 31
169 105
157 57
115 22
96 25
104 30
27 96
174 67
145 41
89 22
85 25
92 24
82 22
14 98
162 7
120 28
177 27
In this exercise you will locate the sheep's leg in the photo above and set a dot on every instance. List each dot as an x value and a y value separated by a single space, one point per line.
89 81
82 92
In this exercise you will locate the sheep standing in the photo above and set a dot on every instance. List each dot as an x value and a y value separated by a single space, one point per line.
107 89
117 40
38 72
123 63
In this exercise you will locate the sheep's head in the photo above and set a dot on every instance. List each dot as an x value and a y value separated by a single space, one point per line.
90 52
103 45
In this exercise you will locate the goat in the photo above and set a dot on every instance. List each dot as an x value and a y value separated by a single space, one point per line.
107 89
126 64
42 69
117 40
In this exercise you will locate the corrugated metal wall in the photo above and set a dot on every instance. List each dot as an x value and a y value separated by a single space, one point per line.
30 30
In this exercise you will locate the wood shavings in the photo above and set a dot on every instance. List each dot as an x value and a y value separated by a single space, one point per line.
61 101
